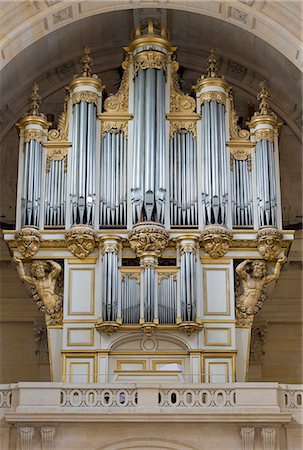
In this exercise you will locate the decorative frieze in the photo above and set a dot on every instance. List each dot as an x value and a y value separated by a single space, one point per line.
150 60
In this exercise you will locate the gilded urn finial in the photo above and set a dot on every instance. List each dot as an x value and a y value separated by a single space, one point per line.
35 101
263 96
86 63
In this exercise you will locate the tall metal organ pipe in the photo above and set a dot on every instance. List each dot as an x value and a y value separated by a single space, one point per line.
241 193
83 166
183 179
113 181
214 164
187 277
111 280
148 183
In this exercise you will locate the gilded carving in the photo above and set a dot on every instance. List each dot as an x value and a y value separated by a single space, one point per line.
107 327
148 238
179 102
267 134
28 241
240 154
150 60
166 276
117 103
109 247
269 243
114 126
187 247
136 276
47 287
216 241
236 134
251 294
189 327
148 328
85 96
36 135
80 240
183 125
213 96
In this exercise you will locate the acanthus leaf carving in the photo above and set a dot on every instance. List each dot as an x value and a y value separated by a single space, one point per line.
179 102
150 60
148 238
269 243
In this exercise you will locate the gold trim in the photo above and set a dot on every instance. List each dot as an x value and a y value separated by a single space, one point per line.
155 362
221 363
85 96
203 82
215 344
213 96
150 59
114 123
130 361
264 133
150 40
33 120
87 81
204 269
79 321
81 313
84 344
180 103
117 103
81 261
209 260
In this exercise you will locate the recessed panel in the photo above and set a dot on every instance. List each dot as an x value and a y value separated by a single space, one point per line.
216 292
81 291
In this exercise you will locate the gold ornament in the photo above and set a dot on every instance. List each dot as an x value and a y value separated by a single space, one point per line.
216 240
28 241
85 96
115 125
254 277
81 240
107 327
150 60
179 102
36 135
190 327
47 288
236 134
267 134
148 238
269 243
213 96
117 103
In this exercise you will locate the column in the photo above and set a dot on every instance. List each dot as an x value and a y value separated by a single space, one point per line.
269 438
248 438
47 437
26 437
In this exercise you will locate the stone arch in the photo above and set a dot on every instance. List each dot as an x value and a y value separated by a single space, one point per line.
147 443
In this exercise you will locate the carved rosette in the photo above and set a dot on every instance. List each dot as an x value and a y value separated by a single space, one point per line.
148 238
269 243
81 240
216 240
28 241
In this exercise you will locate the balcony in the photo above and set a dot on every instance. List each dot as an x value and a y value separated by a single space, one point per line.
138 402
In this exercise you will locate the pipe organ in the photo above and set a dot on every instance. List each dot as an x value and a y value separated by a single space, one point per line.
148 222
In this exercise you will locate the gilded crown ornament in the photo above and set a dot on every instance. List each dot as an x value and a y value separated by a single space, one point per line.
263 96
148 238
28 241
81 240
216 240
269 243
212 69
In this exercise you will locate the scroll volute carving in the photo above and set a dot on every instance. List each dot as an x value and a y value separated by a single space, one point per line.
81 240
269 243
148 238
216 240
46 282
28 241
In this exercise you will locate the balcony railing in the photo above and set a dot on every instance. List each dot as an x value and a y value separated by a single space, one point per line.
264 401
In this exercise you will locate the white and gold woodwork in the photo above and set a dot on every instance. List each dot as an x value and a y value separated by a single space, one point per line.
151 200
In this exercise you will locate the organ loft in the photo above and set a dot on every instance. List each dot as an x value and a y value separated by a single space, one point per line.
148 224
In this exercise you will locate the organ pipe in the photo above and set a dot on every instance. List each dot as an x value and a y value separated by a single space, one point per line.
187 279
111 281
